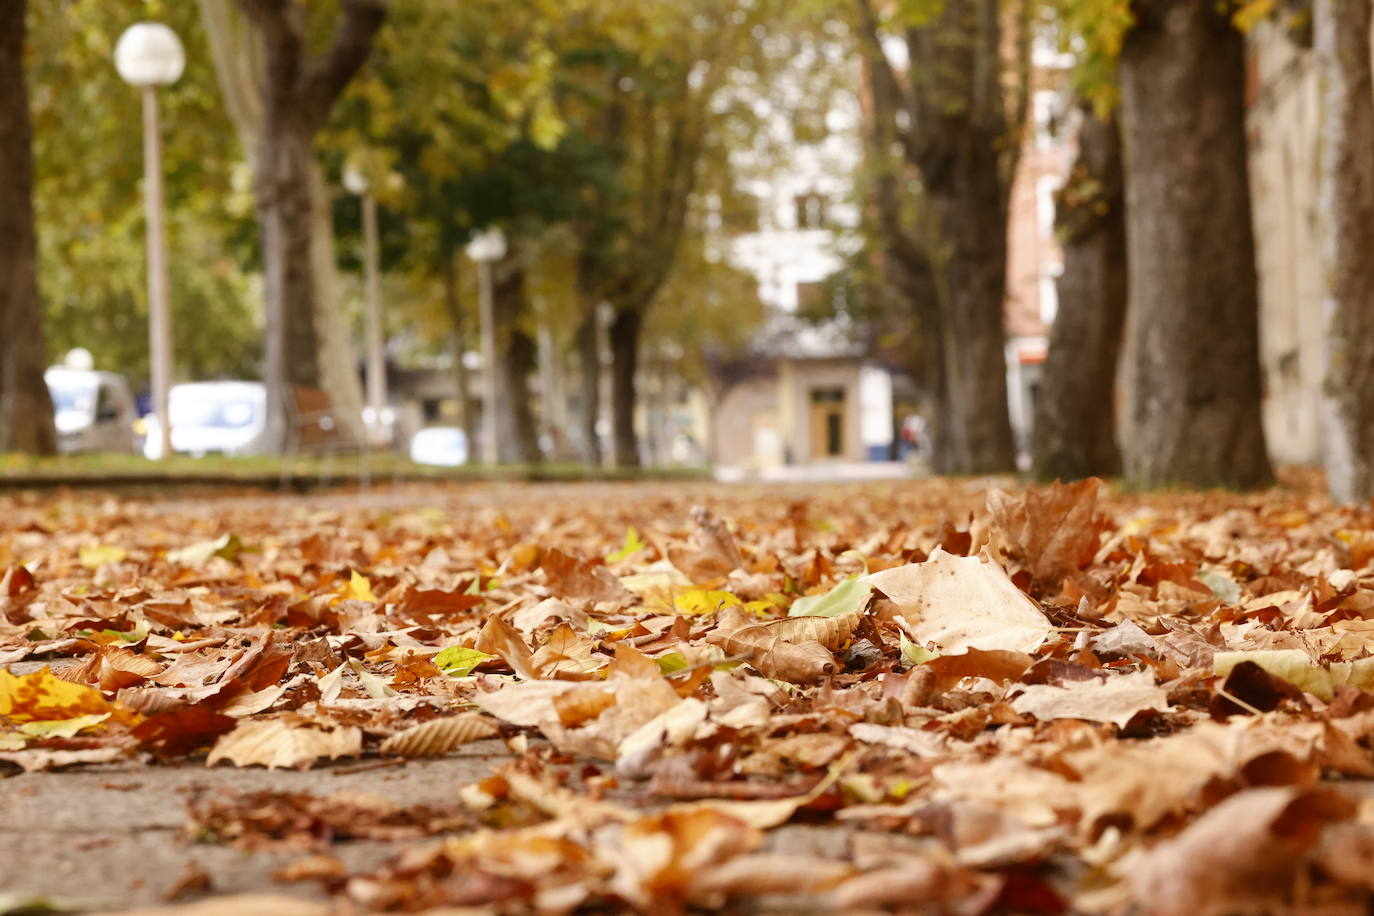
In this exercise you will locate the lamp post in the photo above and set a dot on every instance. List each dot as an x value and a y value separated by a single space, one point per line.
356 183
485 248
149 55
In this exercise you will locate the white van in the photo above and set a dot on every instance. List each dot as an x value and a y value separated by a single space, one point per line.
93 411
219 418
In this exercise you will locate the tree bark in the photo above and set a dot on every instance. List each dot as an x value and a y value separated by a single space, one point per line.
26 412
298 90
956 133
972 214
1075 415
1192 332
589 363
239 64
625 331
517 433
1347 174
459 344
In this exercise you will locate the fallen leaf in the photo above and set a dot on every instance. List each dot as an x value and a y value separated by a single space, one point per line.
802 662
849 597
285 743
438 737
1241 856
42 696
581 580
960 603
711 554
1116 699
1049 529
460 661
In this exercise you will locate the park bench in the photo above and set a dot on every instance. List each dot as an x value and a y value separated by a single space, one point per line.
314 427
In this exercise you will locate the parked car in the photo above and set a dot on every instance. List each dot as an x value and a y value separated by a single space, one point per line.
93 411
439 445
220 418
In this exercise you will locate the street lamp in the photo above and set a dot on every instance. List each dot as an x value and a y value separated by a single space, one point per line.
149 55
485 248
356 183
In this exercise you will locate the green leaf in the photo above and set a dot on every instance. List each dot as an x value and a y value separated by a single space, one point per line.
459 661
913 654
844 598
633 545
672 661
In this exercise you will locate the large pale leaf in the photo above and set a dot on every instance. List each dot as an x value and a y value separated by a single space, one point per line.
958 603
284 743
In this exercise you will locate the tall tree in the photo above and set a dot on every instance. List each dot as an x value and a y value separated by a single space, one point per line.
297 92
26 414
1075 413
662 99
960 135
1347 174
1192 332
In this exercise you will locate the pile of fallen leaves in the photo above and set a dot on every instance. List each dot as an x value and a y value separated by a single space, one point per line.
1047 701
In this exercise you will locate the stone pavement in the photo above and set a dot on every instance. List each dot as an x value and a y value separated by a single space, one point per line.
115 836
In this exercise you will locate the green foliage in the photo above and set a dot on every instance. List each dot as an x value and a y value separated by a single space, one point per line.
89 204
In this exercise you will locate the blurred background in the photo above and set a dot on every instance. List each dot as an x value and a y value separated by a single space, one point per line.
780 239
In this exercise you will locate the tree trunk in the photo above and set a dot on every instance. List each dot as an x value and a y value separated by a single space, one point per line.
1347 173
306 344
459 339
589 363
517 434
521 362
624 364
239 59
1192 331
285 205
1075 415
972 215
948 116
26 413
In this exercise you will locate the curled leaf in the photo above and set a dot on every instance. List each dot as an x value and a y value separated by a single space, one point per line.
436 738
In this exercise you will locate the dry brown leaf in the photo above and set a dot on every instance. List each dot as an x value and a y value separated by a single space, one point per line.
831 632
36 759
959 603
504 641
773 656
283 742
1116 699
1242 856
658 858
767 873
567 654
712 553
576 579
1049 529
577 706
438 737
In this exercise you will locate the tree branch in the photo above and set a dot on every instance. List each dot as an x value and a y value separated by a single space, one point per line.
325 78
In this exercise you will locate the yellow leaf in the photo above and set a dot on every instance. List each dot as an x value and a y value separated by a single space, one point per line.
93 556
62 728
358 588
699 602
44 697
